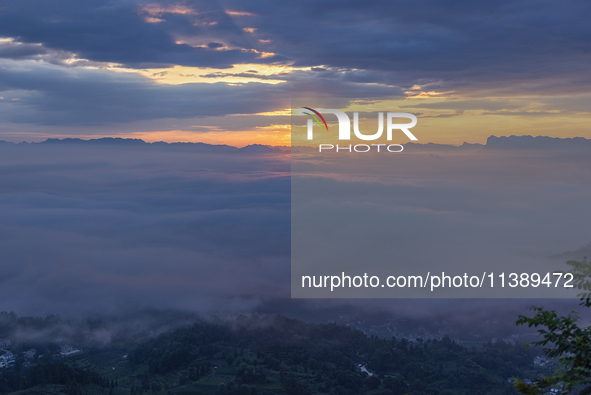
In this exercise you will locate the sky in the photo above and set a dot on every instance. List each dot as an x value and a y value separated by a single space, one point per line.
106 227
224 72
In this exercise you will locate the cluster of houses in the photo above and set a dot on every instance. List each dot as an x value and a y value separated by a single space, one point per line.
542 361
4 343
7 358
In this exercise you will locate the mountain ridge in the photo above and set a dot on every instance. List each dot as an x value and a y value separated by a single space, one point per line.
492 142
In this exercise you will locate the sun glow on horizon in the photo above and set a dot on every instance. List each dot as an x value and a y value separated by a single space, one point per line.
274 135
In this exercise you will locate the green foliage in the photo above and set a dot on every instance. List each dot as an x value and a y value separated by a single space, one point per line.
277 355
525 388
564 338
581 272
50 373
283 356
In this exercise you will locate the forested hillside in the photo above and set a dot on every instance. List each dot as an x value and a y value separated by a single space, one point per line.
274 355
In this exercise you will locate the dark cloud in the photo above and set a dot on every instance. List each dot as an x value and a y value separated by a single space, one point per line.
434 37
481 104
12 50
453 43
352 49
460 45
118 32
49 94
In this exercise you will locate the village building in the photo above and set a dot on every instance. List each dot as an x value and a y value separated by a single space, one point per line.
68 350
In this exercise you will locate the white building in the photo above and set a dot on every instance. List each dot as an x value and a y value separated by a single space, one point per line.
68 350
7 356
541 361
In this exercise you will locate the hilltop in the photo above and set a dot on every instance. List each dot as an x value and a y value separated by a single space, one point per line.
268 355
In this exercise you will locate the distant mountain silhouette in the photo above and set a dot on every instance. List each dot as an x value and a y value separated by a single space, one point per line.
511 142
197 147
442 147
128 142
493 142
101 141
409 147
539 142
260 149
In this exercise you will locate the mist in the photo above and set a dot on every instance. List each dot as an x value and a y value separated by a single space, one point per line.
110 230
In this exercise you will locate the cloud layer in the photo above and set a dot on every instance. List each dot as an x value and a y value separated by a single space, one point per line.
100 228
61 63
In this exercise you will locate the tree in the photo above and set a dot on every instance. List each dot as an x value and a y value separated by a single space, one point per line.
564 338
